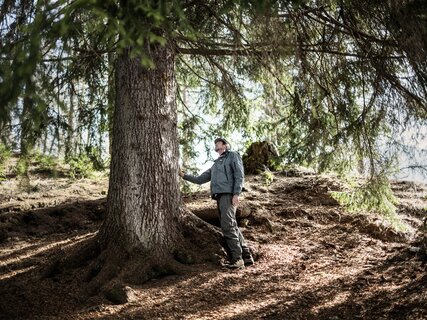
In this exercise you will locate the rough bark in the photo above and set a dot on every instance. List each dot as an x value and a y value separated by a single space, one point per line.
110 108
141 230
143 197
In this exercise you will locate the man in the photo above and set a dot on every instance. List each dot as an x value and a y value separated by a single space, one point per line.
226 176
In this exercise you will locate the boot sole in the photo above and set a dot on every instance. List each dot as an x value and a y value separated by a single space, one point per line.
235 268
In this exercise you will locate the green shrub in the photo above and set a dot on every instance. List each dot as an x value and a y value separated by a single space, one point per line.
95 156
21 167
4 156
25 185
268 177
80 167
47 164
374 196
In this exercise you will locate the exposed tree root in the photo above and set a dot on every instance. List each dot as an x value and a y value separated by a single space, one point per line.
111 271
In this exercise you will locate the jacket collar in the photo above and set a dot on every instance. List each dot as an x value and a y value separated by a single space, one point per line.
223 155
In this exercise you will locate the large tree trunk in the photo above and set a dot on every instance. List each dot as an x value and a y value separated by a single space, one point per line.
110 103
145 233
143 198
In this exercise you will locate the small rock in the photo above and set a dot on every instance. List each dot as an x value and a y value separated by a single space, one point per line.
119 294
244 223
245 211
96 308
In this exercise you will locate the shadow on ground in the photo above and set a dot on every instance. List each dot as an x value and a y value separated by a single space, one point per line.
314 261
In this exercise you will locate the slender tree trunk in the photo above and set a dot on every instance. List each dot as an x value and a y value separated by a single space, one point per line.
52 143
27 137
6 135
45 139
69 142
143 198
58 129
79 125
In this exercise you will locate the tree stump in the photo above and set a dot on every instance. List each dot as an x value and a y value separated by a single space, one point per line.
259 157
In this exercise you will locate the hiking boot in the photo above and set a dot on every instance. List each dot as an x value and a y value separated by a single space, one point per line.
236 264
248 260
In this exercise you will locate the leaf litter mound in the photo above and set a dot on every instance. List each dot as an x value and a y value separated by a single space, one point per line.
313 260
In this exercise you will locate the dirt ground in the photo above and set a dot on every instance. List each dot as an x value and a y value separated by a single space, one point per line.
313 260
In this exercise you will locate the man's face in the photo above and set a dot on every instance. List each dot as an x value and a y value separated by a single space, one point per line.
220 147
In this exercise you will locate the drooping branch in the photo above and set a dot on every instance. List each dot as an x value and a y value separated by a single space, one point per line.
325 18
219 52
247 52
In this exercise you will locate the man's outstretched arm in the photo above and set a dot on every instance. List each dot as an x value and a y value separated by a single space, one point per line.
203 178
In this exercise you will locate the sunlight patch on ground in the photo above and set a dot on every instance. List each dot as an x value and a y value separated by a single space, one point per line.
28 254
240 308
279 254
52 192
338 299
15 272
198 295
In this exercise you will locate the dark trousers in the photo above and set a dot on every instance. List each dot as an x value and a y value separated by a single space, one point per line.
227 216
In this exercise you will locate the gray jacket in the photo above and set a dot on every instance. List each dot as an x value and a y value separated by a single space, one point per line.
226 174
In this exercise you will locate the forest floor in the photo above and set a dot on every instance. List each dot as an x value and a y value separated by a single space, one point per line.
313 260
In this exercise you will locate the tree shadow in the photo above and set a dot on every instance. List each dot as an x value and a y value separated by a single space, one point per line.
368 295
36 239
29 289
391 288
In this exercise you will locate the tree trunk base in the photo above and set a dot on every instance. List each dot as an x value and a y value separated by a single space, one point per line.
111 270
